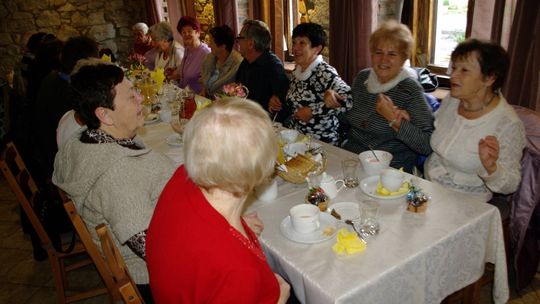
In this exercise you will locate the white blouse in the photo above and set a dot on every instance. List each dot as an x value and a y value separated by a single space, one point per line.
455 160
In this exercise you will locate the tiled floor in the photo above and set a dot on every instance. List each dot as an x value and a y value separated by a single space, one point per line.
25 281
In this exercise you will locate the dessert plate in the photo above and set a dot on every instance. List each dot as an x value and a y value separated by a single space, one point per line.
326 231
151 118
347 210
369 187
174 140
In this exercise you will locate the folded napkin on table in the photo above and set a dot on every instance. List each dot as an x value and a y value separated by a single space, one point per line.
381 190
106 57
158 76
348 242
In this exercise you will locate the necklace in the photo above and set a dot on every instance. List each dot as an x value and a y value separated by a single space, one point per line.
484 105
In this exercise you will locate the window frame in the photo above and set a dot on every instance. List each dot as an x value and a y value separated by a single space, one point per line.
424 17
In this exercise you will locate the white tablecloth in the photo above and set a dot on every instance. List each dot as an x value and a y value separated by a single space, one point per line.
416 258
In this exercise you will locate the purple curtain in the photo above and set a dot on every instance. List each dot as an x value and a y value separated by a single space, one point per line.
154 12
521 87
351 24
225 13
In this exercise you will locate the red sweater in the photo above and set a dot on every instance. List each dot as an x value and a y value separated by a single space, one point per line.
195 256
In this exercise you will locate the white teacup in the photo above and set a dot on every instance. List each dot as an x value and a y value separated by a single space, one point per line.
289 135
305 218
391 179
267 192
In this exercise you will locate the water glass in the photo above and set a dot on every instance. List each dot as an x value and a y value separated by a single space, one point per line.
350 173
369 224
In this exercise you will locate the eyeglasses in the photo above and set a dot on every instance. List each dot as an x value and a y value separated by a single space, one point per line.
240 37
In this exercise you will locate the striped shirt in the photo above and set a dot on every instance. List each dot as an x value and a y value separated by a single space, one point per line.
367 127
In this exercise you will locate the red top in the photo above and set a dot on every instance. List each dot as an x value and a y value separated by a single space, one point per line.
195 256
142 48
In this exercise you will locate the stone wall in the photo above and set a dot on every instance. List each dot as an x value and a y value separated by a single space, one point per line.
107 21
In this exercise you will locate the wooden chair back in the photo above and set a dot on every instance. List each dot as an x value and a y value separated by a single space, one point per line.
92 250
21 183
114 259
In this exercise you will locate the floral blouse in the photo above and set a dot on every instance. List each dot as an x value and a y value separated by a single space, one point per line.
307 89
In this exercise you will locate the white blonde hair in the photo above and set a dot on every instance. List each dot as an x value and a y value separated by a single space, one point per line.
230 145
140 26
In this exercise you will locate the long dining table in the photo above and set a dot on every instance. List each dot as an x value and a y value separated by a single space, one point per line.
415 258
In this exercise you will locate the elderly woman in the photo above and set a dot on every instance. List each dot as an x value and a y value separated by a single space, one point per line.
199 248
109 174
189 71
220 66
169 54
142 42
478 138
389 111
316 93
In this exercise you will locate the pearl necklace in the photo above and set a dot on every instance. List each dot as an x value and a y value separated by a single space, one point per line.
484 105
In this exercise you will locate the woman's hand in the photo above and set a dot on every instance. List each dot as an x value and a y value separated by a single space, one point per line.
284 289
254 222
170 74
488 150
332 99
274 105
394 115
304 114
385 107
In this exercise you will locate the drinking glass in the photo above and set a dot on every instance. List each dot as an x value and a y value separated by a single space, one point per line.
369 224
350 173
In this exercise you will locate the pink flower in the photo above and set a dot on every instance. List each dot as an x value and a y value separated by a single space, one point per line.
136 59
235 90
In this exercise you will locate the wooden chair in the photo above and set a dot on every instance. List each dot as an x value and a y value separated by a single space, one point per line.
26 191
109 262
126 285
93 251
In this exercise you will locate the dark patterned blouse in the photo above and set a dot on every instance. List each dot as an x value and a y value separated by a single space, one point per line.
324 123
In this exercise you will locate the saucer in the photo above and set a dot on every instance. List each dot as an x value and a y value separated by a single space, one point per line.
347 210
151 118
369 187
328 225
174 140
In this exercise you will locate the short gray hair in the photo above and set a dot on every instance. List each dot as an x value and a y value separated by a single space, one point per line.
141 26
259 32
161 31
230 145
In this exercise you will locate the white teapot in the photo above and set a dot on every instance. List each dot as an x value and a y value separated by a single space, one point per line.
330 185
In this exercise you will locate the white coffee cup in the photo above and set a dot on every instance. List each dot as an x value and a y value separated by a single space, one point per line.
391 179
165 115
305 218
267 192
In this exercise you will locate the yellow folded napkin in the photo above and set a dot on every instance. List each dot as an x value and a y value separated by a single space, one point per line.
106 57
381 190
158 76
202 102
348 243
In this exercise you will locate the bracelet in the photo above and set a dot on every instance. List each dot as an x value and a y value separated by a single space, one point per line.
392 122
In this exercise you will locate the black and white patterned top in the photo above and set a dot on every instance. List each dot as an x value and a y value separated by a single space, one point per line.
310 93
370 128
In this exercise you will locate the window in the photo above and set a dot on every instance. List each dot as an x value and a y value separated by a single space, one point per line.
449 25
438 26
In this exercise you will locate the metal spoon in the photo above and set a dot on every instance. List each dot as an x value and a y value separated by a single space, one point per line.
349 222
335 214
374 154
